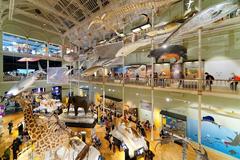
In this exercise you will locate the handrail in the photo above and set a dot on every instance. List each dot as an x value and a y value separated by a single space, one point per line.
217 85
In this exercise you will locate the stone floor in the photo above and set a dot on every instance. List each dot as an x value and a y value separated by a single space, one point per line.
165 152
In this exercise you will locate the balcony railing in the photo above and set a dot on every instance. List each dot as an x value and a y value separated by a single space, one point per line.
218 85
18 78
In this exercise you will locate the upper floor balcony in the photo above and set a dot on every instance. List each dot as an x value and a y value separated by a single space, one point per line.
217 87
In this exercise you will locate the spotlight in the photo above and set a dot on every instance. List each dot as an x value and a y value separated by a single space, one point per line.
168 99
164 46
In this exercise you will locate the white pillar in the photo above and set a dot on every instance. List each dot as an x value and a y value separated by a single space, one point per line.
103 99
199 79
27 67
152 80
78 75
123 87
47 64
152 99
70 83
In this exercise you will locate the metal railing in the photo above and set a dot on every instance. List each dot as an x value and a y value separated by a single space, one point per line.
218 85
18 78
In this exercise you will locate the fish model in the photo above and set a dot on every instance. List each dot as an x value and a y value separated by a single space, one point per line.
114 62
166 28
58 74
24 84
232 152
205 17
71 57
90 71
172 51
233 142
211 120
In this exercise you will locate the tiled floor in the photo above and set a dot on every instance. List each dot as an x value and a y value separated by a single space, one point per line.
6 140
164 152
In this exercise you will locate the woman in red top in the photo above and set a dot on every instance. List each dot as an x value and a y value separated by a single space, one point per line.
234 82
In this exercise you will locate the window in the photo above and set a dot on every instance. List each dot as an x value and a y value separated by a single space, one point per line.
19 44
12 43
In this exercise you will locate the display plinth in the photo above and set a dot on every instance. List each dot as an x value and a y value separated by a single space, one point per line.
81 120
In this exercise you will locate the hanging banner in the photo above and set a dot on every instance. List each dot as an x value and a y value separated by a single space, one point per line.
58 75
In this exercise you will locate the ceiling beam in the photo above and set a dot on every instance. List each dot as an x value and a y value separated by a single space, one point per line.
36 26
38 18
87 21
54 26
85 11
100 4
11 9
52 10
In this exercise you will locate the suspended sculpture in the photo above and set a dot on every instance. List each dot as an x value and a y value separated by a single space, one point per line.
206 17
24 84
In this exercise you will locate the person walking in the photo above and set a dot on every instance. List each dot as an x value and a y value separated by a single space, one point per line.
209 80
234 82
10 127
20 129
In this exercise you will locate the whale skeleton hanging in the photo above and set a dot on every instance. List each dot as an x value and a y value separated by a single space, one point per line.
101 20
133 7
111 14
205 17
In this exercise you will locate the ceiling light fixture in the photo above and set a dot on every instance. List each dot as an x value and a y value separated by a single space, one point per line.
164 46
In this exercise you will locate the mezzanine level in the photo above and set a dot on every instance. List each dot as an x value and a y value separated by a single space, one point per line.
224 88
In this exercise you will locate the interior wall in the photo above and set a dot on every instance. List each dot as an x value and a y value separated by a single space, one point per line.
222 67
31 32
228 122
5 86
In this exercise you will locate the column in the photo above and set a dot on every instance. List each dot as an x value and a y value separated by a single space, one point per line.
78 78
152 98
63 46
152 79
70 83
103 98
48 53
47 64
123 86
1 53
103 89
200 83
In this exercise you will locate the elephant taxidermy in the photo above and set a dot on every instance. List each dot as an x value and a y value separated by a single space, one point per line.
77 102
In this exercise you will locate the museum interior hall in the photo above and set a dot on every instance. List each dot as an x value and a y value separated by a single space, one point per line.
119 79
